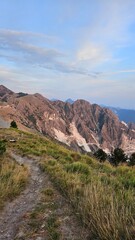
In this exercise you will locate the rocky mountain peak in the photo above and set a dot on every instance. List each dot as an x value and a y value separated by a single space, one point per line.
5 91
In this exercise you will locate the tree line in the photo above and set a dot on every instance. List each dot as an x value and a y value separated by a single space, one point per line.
116 157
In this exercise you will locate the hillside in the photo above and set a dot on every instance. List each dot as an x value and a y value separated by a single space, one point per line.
101 195
81 125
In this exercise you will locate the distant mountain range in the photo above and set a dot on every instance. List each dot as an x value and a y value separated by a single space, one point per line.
126 115
69 100
79 124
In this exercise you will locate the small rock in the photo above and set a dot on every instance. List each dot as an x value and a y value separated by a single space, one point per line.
39 238
43 226
65 218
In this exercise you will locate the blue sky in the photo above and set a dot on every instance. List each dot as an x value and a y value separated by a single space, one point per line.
77 49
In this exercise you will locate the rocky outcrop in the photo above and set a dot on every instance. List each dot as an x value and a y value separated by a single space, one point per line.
100 127
82 125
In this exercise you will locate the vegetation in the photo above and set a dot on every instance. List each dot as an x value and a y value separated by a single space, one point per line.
2 147
13 124
44 217
13 178
101 155
102 194
118 156
132 159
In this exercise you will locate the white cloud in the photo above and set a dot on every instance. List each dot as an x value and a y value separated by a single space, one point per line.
90 52
16 49
93 54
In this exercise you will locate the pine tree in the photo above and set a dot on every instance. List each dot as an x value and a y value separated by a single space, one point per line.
118 156
13 124
101 155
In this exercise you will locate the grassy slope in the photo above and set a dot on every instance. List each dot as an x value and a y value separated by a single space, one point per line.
103 195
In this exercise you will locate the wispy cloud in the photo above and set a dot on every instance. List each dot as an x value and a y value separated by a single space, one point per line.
21 35
16 42
110 30
15 48
118 72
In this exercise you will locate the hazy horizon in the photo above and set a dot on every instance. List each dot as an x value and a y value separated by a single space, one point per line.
64 100
76 49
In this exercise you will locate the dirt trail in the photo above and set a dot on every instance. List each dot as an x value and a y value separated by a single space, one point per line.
14 211
12 217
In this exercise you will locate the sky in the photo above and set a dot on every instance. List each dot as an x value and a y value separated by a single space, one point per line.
79 49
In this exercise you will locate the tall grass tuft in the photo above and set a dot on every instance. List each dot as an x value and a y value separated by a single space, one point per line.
13 179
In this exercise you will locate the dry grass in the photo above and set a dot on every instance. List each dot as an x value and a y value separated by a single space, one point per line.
13 178
106 213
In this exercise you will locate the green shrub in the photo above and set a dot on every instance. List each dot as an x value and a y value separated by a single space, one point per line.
101 155
13 124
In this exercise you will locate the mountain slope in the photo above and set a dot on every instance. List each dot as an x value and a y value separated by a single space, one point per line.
81 125
100 127
126 115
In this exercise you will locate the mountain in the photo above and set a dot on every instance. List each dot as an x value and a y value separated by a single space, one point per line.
5 93
69 100
126 115
53 99
80 125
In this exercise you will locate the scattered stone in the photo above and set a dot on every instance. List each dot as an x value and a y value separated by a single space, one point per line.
39 238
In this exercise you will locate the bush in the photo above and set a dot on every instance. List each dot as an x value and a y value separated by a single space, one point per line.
101 155
13 124
117 156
